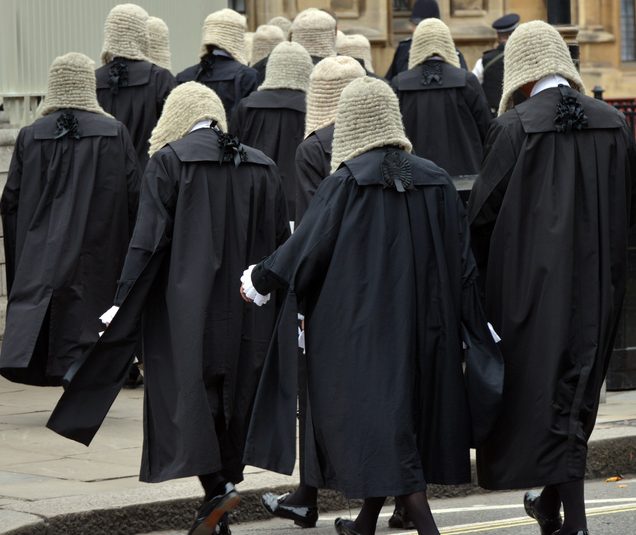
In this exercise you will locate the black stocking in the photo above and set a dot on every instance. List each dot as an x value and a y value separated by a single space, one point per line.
303 495
549 503
573 497
368 516
420 513
213 485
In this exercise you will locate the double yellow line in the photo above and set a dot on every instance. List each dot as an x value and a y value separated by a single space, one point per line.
481 527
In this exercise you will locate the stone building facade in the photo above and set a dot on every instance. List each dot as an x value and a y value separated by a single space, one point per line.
606 30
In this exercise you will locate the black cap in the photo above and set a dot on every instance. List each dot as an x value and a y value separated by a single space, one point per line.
507 23
424 9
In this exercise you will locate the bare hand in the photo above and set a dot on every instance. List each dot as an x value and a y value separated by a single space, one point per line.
244 297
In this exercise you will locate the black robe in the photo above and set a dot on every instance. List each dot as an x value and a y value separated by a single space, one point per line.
134 92
67 211
313 164
273 120
228 78
260 68
549 215
446 115
400 61
199 225
387 282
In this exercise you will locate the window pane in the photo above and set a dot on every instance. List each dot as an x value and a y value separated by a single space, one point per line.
628 37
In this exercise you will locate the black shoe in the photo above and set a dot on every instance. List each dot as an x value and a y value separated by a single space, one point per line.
302 515
585 532
345 527
211 512
223 527
135 378
549 526
400 519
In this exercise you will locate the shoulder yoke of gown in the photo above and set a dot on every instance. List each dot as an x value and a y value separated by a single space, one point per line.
431 74
366 169
89 124
537 114
290 99
203 146
138 72
325 137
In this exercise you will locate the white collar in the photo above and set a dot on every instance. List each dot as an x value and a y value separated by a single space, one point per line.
552 80
206 123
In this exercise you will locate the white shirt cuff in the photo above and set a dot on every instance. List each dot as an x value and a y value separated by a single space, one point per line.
249 289
108 316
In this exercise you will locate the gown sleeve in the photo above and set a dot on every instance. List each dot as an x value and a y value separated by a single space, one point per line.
309 175
484 362
153 230
9 209
489 189
301 262
133 177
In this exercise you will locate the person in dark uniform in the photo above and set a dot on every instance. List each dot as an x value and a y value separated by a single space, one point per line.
490 67
223 65
129 87
264 41
272 119
423 9
68 209
208 205
445 112
549 218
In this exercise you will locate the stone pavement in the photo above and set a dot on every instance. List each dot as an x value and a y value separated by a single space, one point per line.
51 485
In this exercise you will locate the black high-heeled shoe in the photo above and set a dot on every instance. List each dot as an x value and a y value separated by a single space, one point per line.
549 526
345 527
302 515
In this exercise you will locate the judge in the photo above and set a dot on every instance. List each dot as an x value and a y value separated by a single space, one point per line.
264 41
445 111
315 30
549 215
356 46
382 269
129 87
272 119
313 156
208 205
422 9
68 209
313 164
223 59
159 42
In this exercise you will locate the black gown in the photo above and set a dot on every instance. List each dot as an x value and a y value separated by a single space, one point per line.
387 283
446 115
313 164
273 120
228 78
549 216
68 209
199 225
134 92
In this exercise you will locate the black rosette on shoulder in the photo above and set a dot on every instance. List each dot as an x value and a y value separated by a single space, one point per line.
570 115
117 76
432 72
396 171
231 149
67 125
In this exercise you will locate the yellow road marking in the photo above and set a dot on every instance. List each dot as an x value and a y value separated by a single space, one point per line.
492 525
